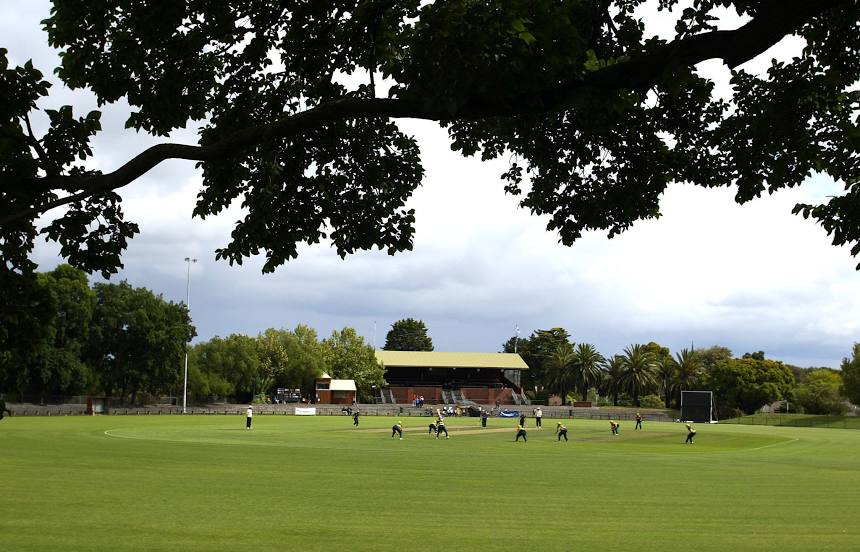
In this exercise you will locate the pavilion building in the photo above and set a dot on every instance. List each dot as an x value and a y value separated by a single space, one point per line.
445 377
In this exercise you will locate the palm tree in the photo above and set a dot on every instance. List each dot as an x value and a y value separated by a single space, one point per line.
688 368
611 384
588 365
640 371
559 374
667 371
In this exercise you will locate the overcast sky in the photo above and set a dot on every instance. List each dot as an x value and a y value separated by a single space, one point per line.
708 272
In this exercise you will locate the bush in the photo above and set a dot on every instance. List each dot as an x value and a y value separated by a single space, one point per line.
651 401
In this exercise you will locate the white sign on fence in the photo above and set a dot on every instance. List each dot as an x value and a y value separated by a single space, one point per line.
306 411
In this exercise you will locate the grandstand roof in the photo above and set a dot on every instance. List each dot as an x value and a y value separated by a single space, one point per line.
433 359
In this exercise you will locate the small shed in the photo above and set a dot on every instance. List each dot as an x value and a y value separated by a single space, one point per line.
335 391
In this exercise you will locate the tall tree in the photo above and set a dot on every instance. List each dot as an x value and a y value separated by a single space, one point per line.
26 318
666 369
588 366
59 367
560 374
688 371
613 378
640 371
350 357
748 384
138 340
225 366
851 375
536 351
600 116
408 335
708 357
821 393
306 359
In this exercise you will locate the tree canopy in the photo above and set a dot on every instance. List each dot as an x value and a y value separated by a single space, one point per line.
408 334
851 374
748 384
112 339
596 117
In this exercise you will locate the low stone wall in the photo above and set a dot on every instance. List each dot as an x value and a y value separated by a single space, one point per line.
549 412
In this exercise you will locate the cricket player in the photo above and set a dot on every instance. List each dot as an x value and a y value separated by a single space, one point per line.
397 429
638 421
3 409
691 432
440 427
521 432
561 431
613 426
355 416
249 415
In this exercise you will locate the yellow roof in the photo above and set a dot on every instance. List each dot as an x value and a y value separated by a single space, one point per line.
433 359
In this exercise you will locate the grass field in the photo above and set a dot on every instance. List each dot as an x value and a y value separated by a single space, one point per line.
799 420
293 483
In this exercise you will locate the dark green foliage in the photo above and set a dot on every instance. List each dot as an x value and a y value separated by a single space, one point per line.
536 351
747 383
596 118
708 358
559 374
349 357
110 339
588 365
639 372
408 335
651 401
137 341
851 375
224 366
821 393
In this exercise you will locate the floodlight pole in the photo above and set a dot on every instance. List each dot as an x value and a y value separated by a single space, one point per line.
517 338
188 261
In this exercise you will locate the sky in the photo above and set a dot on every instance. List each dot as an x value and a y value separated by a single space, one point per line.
708 272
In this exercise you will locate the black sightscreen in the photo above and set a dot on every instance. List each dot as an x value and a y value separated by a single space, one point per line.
696 406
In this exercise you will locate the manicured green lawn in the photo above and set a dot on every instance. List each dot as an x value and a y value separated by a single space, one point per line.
799 420
293 483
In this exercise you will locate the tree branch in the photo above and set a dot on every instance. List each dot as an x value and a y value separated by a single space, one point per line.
50 167
771 24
